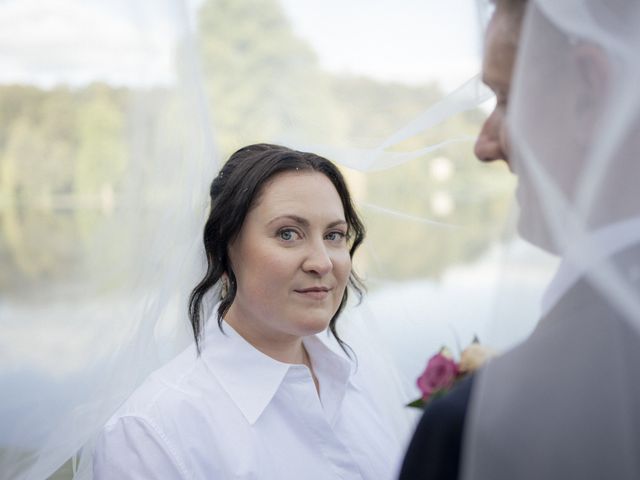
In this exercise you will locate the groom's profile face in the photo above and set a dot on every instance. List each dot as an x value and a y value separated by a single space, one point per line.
501 48
497 68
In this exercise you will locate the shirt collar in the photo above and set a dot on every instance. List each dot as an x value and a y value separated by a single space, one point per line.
600 245
334 372
252 379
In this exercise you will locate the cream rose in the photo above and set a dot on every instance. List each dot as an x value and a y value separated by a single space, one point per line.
474 356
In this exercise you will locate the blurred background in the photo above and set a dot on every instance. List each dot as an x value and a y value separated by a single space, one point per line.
115 116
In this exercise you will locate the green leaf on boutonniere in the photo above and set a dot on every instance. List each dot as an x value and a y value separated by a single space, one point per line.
419 403
439 393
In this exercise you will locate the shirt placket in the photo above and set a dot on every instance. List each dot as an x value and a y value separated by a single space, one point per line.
312 415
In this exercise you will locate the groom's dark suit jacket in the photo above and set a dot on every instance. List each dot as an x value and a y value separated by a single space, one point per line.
434 452
582 316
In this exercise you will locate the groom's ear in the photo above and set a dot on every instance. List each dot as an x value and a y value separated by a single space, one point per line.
591 82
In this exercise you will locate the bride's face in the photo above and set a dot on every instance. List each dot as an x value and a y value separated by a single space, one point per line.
291 260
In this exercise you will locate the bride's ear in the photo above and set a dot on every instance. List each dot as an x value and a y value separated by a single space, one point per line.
224 286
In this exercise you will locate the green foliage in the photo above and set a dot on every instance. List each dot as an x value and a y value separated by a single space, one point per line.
264 84
60 148
101 157
66 156
375 109
461 208
459 217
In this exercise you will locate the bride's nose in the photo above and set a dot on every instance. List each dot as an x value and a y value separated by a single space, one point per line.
317 259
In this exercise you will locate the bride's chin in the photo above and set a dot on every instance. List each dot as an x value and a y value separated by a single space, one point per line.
316 325
310 324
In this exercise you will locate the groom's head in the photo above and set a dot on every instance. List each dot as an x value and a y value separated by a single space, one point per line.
573 98
501 46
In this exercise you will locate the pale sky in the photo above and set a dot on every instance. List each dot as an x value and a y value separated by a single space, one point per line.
77 41
410 41
131 41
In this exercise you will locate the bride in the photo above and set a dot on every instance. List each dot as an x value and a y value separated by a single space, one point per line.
262 393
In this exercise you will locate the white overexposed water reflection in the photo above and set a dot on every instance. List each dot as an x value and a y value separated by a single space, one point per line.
496 298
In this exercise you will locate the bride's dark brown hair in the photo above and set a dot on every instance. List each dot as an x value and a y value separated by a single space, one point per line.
233 193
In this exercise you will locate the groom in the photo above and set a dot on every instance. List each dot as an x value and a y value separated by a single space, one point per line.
567 402
434 452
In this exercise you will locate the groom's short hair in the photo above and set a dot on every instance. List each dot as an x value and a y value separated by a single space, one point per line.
512 6
514 11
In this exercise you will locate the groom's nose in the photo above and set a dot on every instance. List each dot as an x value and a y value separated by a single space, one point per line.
491 142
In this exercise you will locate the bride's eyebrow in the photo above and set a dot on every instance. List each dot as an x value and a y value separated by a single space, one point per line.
303 221
336 223
294 218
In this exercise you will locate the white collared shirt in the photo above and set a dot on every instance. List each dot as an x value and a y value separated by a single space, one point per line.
235 413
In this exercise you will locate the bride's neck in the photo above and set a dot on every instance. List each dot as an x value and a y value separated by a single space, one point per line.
285 348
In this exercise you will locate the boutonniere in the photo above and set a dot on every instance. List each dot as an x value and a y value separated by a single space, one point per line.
443 371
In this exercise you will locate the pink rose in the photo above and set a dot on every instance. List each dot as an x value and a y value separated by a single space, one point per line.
441 372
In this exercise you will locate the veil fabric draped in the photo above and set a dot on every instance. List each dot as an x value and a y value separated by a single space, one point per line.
103 195
564 403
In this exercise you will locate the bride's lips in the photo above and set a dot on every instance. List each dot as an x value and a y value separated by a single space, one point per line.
315 293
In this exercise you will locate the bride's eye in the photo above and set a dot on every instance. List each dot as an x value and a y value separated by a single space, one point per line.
288 234
335 236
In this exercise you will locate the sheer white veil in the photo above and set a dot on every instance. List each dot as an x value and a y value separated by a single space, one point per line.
104 192
564 403
99 236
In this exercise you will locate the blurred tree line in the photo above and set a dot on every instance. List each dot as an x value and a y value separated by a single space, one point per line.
66 153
